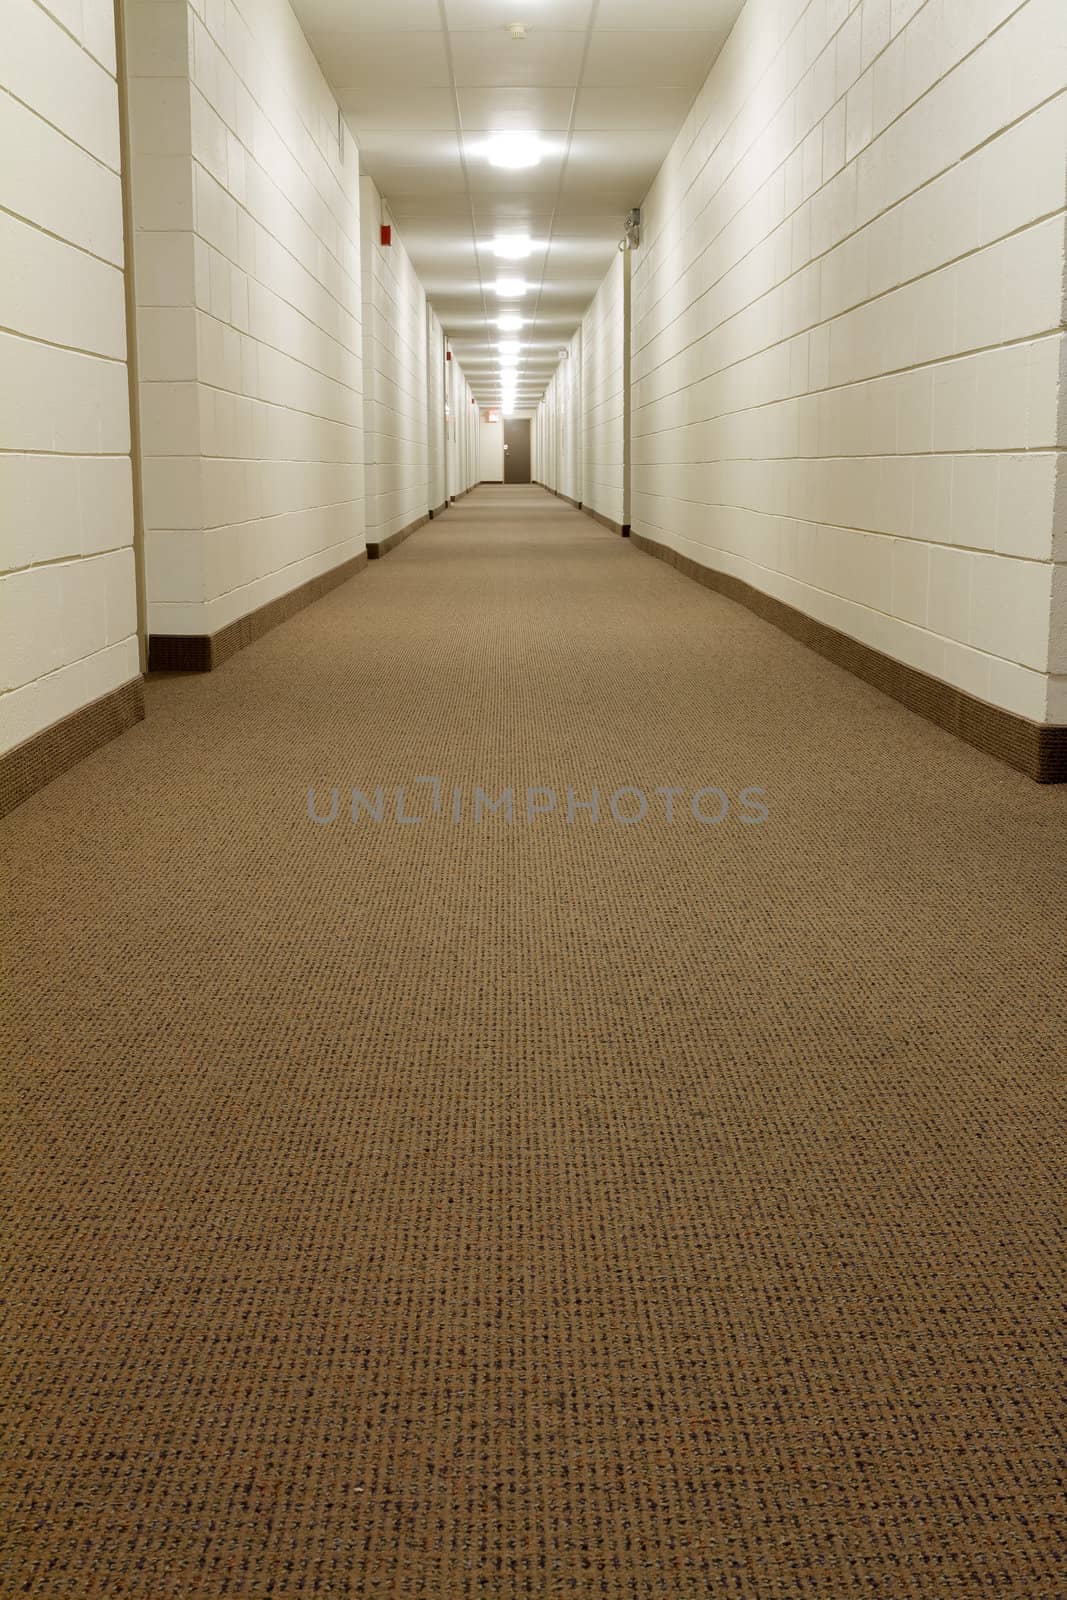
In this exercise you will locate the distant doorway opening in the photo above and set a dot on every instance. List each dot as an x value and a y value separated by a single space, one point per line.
516 450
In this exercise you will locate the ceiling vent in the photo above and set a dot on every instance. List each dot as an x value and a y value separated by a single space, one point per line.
517 30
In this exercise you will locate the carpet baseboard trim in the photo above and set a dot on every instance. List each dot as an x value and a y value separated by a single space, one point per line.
203 652
1036 749
46 755
622 528
376 548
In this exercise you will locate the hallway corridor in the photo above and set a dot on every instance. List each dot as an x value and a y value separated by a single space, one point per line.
548 1207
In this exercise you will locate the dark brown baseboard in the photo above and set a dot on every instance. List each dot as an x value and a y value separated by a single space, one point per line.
376 548
202 652
577 504
622 528
1033 748
53 751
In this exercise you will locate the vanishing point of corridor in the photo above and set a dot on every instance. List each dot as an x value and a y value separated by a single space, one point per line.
559 1204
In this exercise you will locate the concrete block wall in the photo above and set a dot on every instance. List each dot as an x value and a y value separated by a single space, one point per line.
463 432
574 484
68 598
547 441
395 421
436 421
559 423
249 313
848 349
605 398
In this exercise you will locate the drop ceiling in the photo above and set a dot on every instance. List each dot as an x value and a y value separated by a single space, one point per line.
423 83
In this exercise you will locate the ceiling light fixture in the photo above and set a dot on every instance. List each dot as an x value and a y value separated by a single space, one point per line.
510 288
512 247
509 323
514 150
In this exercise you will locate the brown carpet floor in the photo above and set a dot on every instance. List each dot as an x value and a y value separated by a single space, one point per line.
536 1209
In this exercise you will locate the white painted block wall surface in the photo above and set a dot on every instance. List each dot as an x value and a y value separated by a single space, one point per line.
436 421
248 310
563 408
68 603
395 421
848 349
604 444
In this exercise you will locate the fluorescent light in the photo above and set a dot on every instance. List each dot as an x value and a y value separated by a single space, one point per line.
511 288
512 247
508 346
509 324
514 150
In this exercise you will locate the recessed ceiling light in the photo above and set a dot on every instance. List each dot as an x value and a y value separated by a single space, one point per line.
511 288
508 346
512 247
514 150
509 324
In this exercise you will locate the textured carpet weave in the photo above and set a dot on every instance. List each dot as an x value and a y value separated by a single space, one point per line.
495 1209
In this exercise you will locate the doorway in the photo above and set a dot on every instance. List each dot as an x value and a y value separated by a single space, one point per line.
516 450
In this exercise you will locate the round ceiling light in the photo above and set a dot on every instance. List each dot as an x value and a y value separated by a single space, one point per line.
512 247
514 150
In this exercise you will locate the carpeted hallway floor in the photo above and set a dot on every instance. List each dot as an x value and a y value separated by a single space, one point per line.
545 1208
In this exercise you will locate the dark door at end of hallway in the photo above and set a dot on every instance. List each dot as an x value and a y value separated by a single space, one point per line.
516 450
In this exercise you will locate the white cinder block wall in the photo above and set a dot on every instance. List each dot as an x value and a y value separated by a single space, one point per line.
572 484
68 633
847 331
395 421
563 407
248 310
463 440
605 357
436 420
548 453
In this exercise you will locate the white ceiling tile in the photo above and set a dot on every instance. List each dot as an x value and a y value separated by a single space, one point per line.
533 108
616 158
634 60
434 147
536 14
661 107
394 181
408 60
712 16
357 16
381 105
492 60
